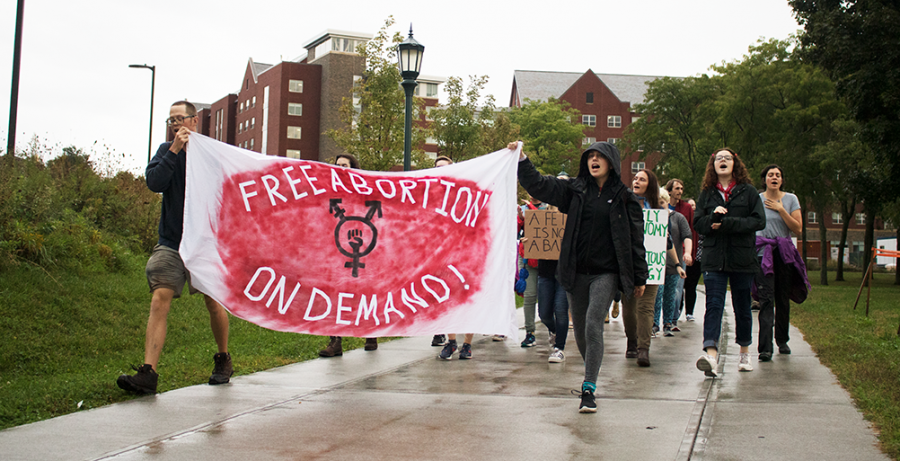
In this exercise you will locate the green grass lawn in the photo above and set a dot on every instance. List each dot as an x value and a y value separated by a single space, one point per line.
863 352
67 338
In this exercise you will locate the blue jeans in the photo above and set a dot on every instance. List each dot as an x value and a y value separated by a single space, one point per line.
553 308
716 286
657 307
670 298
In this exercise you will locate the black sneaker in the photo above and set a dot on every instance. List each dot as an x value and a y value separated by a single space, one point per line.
142 382
223 370
784 349
438 340
588 405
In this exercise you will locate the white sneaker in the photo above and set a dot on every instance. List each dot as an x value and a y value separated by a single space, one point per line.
744 364
689 318
552 340
557 356
707 365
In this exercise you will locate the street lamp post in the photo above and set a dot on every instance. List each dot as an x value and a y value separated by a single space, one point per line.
152 88
409 53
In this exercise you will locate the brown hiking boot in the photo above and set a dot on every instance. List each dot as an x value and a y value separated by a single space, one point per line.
371 344
333 348
643 358
142 382
631 350
222 370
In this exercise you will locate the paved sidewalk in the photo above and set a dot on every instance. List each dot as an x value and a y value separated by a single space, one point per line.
508 403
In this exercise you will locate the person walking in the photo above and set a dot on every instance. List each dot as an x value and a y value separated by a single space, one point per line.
675 188
335 347
165 270
680 235
602 248
729 212
780 263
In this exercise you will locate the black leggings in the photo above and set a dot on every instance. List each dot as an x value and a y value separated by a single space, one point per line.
690 287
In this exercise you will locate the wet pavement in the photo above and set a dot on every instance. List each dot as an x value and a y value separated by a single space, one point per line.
402 403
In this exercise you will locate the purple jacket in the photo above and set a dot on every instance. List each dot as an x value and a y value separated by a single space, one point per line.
791 257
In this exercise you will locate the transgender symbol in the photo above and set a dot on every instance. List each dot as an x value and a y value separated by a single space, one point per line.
358 231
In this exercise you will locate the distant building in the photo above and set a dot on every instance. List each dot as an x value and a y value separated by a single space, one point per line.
604 100
284 109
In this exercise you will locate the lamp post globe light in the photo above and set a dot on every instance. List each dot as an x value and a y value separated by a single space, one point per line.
152 88
409 55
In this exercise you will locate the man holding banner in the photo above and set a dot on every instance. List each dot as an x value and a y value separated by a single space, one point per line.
602 249
166 272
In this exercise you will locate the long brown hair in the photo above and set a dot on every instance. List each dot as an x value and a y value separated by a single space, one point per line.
738 172
651 196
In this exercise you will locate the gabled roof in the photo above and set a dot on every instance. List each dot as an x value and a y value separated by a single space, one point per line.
258 68
539 85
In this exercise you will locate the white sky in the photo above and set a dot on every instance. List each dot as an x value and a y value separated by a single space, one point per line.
76 88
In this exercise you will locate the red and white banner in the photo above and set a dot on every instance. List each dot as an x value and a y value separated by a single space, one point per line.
308 247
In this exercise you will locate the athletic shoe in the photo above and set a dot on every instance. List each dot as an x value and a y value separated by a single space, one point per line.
498 337
744 363
222 370
765 356
530 340
465 352
615 310
689 318
439 340
552 340
448 350
606 320
754 305
675 327
571 325
588 405
557 356
784 349
667 330
707 365
142 382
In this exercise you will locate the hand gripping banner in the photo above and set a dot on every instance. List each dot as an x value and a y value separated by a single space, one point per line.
307 247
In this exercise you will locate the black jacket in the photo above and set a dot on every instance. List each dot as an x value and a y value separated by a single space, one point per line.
166 175
732 247
626 217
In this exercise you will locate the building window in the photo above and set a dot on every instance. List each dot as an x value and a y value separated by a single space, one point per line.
293 132
634 119
861 219
254 101
589 98
811 218
251 143
241 109
430 90
837 218
637 166
588 141
253 123
614 121
589 120
295 108
612 140
240 127
428 110
295 86
292 153
888 224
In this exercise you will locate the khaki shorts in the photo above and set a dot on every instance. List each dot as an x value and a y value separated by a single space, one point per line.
165 269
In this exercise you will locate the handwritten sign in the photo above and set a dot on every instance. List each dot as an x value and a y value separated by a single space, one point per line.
544 230
656 227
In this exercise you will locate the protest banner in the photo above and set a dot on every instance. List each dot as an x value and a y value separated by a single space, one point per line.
308 247
544 230
656 228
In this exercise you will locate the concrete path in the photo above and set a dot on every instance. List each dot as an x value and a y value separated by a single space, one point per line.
508 403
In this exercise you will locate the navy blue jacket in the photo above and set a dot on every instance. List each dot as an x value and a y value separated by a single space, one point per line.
165 175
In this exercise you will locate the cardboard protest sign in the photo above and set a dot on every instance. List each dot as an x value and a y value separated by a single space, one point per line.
656 228
308 247
544 231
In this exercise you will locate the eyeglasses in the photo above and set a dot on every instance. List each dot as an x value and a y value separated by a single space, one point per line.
724 157
177 120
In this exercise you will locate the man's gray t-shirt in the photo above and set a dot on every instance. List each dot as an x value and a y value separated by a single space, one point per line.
679 230
775 226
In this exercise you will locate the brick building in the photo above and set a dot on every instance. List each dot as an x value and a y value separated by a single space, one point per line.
284 109
604 100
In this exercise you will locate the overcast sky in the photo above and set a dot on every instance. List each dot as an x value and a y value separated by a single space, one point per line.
76 87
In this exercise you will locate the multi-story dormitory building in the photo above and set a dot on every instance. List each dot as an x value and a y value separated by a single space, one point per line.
605 102
284 109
